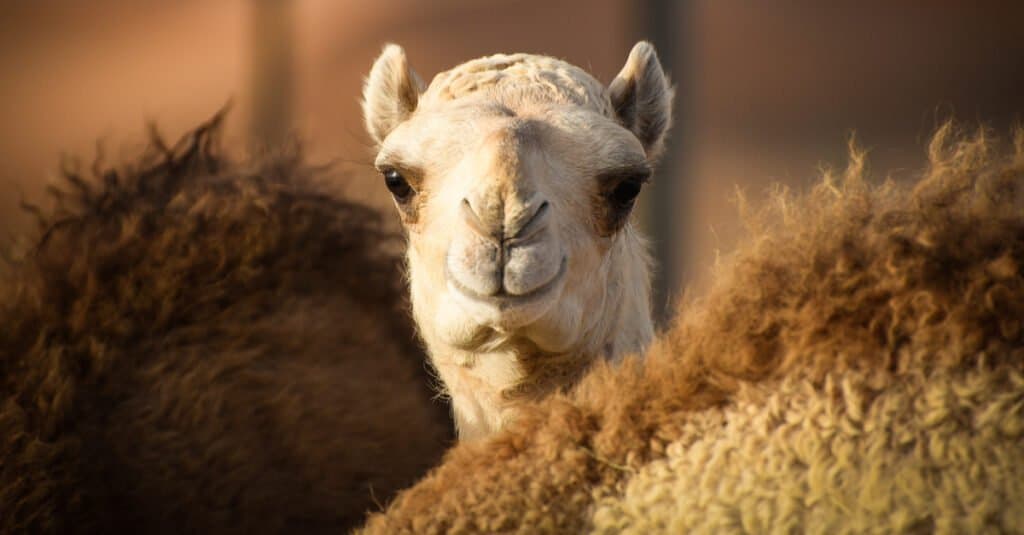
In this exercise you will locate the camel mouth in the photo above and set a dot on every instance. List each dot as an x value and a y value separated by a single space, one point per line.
505 301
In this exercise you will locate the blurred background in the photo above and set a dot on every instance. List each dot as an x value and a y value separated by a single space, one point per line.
767 92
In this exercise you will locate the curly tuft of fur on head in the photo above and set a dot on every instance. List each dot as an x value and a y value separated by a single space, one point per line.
857 365
192 344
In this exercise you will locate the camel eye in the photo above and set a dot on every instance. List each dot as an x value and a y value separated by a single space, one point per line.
619 191
625 192
397 185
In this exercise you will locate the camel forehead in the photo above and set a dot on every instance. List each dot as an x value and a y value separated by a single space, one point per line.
483 134
517 81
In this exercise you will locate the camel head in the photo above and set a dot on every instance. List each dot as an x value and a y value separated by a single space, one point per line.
514 177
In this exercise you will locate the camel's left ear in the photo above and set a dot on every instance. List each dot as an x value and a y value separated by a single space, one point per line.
390 93
642 98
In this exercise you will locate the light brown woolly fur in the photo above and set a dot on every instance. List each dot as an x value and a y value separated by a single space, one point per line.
857 366
195 345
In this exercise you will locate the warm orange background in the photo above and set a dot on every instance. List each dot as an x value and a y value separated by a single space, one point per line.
767 91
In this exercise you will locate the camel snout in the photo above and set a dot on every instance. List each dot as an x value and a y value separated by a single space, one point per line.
506 227
502 255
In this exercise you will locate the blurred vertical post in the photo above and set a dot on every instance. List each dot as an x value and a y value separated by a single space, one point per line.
667 26
271 62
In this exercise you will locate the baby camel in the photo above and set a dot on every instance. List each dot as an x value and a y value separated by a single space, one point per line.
514 176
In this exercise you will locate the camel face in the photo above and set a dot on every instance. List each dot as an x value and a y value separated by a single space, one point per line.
514 176
511 221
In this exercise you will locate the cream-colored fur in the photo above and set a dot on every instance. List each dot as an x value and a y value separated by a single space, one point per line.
519 277
900 457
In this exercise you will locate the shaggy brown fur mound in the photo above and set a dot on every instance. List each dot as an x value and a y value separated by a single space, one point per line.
893 313
193 345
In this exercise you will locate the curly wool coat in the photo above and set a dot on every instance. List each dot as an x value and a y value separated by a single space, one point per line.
857 367
192 345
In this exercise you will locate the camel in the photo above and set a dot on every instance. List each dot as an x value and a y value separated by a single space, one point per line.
514 177
197 344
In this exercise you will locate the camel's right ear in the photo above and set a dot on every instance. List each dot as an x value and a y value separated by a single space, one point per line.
390 93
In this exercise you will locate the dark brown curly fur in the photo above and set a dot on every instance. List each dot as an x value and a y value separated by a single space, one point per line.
886 280
195 345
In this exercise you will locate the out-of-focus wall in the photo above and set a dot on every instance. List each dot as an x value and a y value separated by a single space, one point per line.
768 91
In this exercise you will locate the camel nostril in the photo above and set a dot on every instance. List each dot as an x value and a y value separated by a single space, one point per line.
473 221
530 225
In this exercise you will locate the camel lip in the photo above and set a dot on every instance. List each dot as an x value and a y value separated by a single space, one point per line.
505 301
